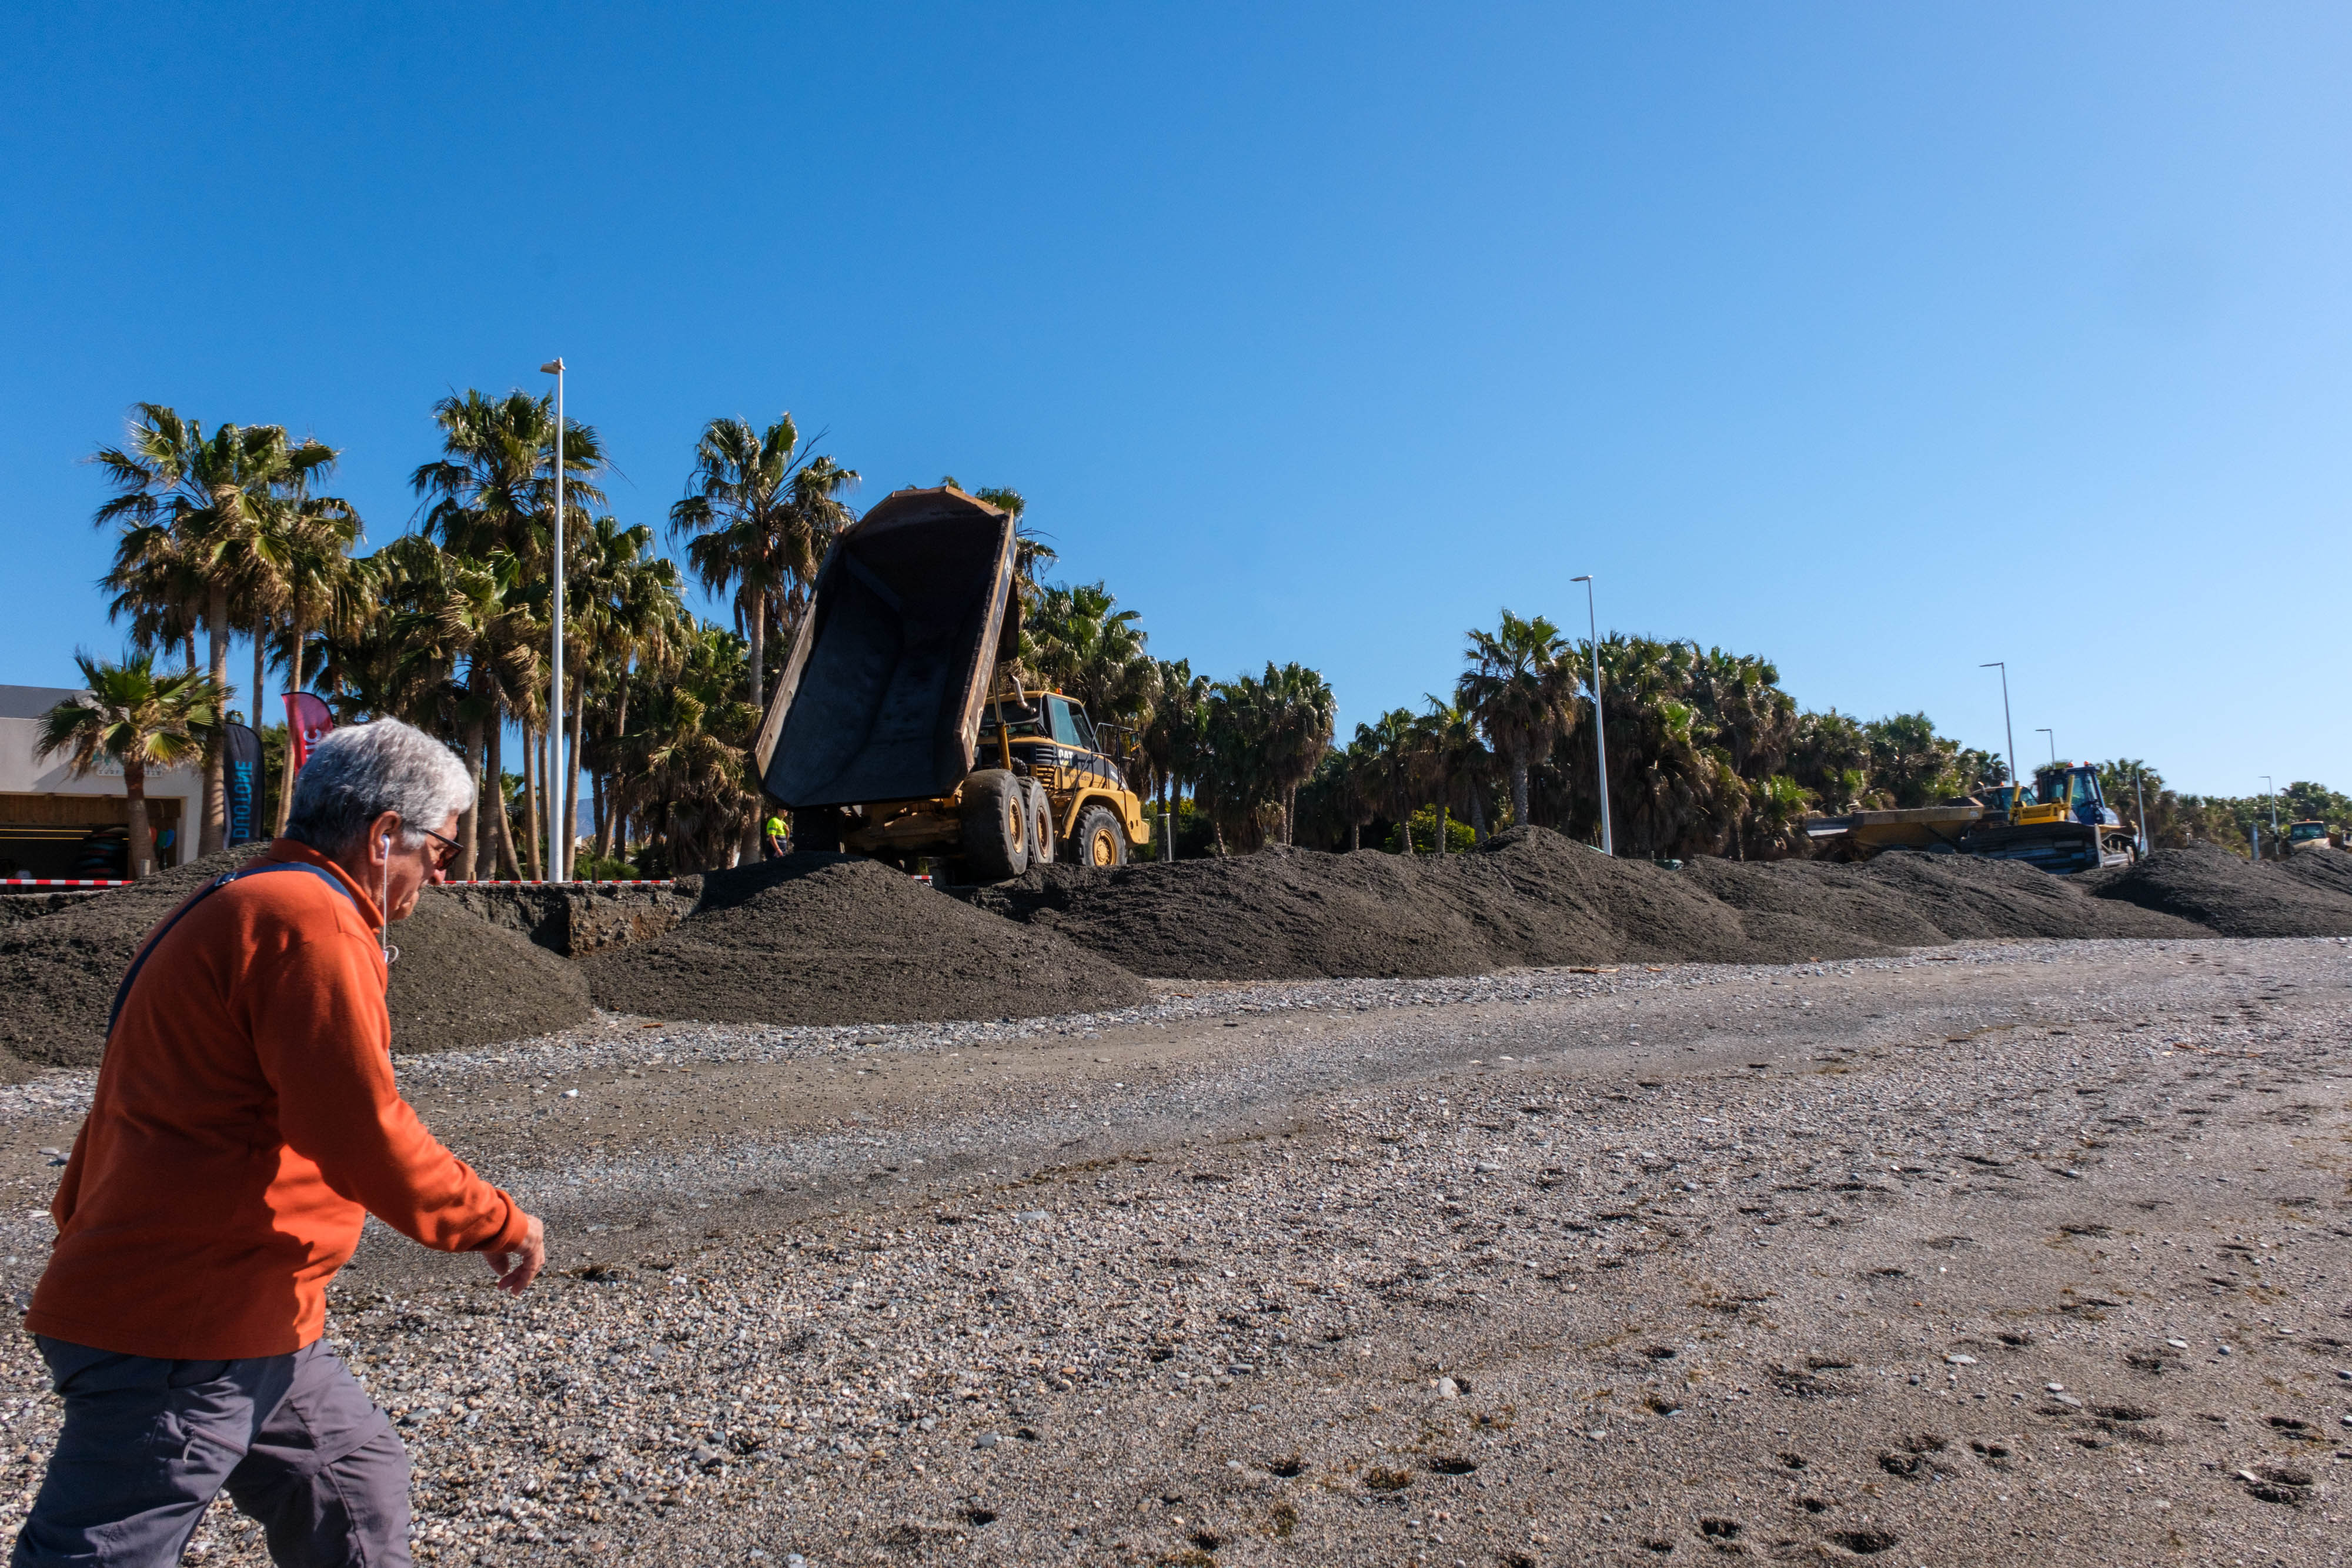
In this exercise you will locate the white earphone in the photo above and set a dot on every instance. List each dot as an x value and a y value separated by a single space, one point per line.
384 908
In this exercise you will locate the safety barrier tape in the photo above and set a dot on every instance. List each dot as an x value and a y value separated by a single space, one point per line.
14 881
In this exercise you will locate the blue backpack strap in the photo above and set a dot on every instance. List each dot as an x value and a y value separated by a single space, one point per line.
122 992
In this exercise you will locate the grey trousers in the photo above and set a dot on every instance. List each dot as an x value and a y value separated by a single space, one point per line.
148 1443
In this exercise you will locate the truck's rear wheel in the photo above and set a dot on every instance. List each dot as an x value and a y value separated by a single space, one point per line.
1099 841
1041 822
995 825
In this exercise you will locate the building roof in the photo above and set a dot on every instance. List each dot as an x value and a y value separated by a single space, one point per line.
32 702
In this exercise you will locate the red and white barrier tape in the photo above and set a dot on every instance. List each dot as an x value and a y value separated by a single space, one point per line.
9 883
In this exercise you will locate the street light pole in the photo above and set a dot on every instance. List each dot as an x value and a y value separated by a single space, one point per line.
2008 729
558 840
1600 732
2271 790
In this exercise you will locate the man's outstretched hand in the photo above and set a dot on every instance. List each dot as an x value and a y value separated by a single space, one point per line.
516 1270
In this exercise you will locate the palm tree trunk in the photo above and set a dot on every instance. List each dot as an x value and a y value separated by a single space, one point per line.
1290 816
286 785
140 860
1479 815
569 826
214 830
1518 792
493 784
1443 817
617 839
260 651
532 835
469 826
600 812
758 639
1355 837
757 675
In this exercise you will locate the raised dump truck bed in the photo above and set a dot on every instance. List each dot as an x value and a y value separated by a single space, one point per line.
881 697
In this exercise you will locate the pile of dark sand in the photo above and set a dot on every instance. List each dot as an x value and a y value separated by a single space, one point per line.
2321 866
2232 896
836 939
1531 897
1920 899
460 982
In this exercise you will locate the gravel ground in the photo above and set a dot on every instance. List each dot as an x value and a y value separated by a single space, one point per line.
2018 1253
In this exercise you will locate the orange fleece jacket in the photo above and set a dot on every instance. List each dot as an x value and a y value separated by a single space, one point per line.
246 1122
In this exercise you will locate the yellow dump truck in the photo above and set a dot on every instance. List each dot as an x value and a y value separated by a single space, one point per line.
2067 828
897 729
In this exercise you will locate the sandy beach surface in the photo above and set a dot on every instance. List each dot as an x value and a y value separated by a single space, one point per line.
2029 1252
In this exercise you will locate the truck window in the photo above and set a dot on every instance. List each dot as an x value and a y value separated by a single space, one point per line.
1065 725
1019 719
2081 787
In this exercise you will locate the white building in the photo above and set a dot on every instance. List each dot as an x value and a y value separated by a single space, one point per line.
51 822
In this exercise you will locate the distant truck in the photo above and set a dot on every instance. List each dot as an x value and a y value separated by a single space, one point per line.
2299 834
897 730
2067 828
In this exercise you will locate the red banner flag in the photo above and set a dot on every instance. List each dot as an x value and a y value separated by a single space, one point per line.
306 719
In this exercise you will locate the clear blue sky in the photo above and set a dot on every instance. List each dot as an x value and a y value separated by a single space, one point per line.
1881 341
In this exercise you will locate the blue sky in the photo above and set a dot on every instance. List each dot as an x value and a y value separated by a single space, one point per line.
1879 341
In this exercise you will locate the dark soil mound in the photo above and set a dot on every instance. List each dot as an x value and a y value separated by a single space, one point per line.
460 982
1920 900
835 939
2326 869
2224 893
1531 897
1528 898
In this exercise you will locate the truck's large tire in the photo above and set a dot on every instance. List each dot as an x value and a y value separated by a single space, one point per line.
1099 841
1041 822
995 825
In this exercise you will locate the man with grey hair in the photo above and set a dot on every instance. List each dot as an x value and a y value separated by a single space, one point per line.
246 1122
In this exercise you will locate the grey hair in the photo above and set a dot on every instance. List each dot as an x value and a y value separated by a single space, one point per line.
354 776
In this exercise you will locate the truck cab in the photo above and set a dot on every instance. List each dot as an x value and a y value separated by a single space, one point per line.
1046 737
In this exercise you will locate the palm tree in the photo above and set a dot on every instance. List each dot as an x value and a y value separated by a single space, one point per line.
622 605
1392 739
212 494
759 511
302 579
469 624
1450 760
134 720
684 764
1362 783
493 488
1172 738
1521 687
1300 712
1086 647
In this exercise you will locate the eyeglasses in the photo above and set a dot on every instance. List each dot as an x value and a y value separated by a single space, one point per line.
448 848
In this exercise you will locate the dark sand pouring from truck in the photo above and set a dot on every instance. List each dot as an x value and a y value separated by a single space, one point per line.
897 729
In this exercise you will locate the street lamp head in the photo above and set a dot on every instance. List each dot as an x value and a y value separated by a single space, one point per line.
552 368
1586 577
1994 665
